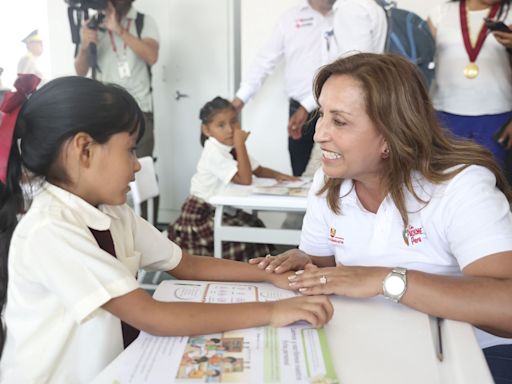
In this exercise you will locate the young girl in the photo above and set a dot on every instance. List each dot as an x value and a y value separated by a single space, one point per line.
224 159
72 294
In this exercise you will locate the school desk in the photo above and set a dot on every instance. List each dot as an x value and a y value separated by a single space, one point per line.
242 197
375 341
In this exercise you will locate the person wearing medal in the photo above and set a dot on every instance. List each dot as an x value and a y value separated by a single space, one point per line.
472 89
123 58
403 209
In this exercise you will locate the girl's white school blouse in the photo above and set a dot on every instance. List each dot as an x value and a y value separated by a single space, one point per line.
59 278
215 169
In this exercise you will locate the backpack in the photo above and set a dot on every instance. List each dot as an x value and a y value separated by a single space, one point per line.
139 24
409 36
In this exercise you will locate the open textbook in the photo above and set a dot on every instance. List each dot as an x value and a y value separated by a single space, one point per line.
284 188
294 354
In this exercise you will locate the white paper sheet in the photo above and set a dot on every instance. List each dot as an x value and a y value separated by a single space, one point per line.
294 354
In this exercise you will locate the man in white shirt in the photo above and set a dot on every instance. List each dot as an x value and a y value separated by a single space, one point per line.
297 38
358 25
123 57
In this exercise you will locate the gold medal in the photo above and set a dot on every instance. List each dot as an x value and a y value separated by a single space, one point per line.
471 70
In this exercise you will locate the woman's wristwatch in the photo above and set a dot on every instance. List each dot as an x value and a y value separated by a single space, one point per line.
395 284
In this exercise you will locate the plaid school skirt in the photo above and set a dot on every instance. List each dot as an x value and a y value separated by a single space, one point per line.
193 231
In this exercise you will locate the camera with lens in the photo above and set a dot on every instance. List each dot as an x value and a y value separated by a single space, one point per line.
84 5
88 4
78 10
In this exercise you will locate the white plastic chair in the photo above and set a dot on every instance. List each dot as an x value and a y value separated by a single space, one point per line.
145 187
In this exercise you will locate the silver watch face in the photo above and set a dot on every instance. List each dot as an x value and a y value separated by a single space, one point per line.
395 285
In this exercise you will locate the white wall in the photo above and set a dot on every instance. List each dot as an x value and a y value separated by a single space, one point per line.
17 19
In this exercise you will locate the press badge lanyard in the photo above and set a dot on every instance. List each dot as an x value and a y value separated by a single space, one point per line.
122 62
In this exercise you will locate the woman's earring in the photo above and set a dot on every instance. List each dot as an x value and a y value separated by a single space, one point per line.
385 154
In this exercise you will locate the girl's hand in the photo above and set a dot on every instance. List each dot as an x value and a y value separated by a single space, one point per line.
316 310
356 282
504 38
283 177
281 280
291 260
239 135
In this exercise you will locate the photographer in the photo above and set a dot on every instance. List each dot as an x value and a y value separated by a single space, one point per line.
123 57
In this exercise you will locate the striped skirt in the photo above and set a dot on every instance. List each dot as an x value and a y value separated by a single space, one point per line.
193 231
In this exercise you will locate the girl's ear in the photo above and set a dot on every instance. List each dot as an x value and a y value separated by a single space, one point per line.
205 130
83 144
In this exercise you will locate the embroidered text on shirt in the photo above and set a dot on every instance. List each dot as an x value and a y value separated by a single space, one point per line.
412 235
304 22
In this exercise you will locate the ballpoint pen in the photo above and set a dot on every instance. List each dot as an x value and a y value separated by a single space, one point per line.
435 327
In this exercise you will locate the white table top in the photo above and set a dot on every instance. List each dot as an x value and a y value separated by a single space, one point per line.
242 196
378 341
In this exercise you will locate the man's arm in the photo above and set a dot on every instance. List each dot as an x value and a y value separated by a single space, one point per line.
146 48
87 36
266 60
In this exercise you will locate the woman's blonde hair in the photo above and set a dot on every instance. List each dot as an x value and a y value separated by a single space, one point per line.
398 104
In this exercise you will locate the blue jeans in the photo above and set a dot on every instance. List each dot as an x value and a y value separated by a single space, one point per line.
480 129
499 359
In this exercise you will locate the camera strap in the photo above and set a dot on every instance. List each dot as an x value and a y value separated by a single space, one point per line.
113 42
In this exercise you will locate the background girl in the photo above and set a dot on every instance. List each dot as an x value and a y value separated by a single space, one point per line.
224 159
472 91
72 296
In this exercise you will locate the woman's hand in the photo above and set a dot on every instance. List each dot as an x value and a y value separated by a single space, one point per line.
281 280
356 282
504 38
291 260
505 138
316 310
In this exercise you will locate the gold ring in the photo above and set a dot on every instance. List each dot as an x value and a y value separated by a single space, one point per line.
268 256
323 280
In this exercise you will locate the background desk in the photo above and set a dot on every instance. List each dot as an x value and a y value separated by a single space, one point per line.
242 197
376 341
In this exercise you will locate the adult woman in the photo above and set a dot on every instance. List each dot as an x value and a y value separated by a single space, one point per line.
396 190
472 90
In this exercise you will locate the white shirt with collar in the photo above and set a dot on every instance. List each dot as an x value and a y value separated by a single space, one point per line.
138 84
215 169
59 278
467 218
491 91
298 38
359 25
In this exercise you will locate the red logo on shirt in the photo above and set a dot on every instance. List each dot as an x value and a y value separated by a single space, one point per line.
335 239
303 22
413 236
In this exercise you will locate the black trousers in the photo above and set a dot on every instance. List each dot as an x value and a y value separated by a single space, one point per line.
499 359
300 150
